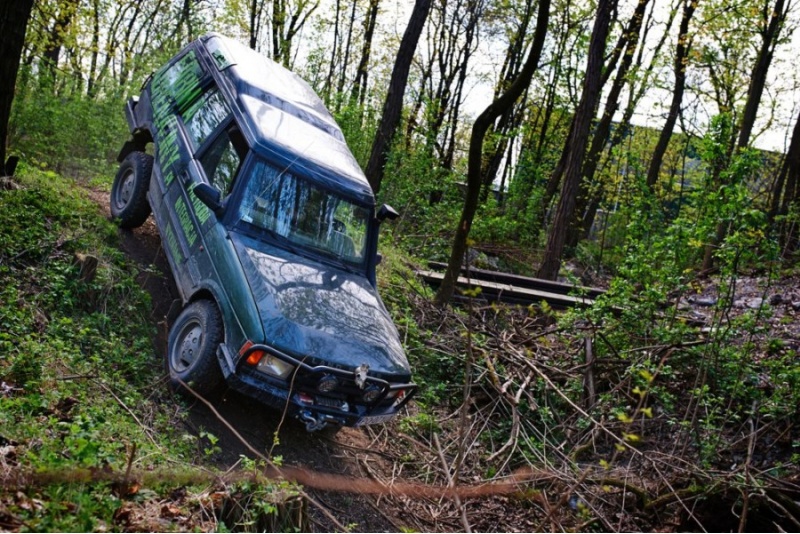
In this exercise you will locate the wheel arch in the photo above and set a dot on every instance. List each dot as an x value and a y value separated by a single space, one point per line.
138 143
230 341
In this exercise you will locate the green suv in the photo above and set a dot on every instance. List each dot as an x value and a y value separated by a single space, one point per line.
271 232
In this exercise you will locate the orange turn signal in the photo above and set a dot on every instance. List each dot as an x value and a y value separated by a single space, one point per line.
255 357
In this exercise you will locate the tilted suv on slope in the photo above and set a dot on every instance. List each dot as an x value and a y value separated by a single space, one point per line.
271 231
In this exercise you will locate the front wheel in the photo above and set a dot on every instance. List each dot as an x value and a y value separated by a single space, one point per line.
192 348
129 192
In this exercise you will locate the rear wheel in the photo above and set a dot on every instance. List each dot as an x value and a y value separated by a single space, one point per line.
192 348
129 192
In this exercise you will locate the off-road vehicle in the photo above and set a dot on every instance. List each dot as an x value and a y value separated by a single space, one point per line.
271 231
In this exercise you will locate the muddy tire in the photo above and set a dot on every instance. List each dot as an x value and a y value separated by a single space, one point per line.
129 204
192 349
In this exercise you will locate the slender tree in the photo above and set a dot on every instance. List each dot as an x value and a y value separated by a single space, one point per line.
579 138
770 33
359 92
783 191
14 18
334 49
55 39
393 106
475 157
513 117
772 22
627 48
682 50
638 84
287 21
254 29
347 48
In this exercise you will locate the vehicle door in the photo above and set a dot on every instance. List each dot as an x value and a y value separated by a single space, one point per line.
218 150
176 92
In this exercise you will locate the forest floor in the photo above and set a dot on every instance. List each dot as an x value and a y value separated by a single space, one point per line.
550 496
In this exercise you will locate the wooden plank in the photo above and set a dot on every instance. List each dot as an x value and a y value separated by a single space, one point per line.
523 281
514 292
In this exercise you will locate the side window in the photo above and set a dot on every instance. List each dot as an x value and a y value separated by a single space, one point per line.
176 87
221 160
204 116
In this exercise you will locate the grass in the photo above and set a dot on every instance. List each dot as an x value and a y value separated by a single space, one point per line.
82 396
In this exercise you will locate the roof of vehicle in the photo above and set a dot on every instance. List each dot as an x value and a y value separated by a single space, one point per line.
287 120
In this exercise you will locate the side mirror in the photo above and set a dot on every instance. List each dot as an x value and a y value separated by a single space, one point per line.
210 196
378 258
386 212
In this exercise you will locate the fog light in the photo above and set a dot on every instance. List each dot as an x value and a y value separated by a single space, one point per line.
371 393
327 383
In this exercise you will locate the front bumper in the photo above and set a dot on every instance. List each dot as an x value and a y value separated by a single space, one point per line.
299 398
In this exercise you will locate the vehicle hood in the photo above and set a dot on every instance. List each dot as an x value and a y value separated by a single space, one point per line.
316 310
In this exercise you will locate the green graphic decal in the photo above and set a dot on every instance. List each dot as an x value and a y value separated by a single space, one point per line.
178 85
172 244
168 151
174 88
168 177
201 211
186 221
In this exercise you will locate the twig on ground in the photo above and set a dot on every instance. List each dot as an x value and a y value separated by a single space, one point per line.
451 482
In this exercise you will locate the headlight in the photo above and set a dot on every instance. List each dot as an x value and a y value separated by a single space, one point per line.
275 367
266 363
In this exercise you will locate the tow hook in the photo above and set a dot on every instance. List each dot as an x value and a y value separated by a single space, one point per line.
361 375
312 424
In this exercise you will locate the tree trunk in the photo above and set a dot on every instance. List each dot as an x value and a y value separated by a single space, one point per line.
782 191
603 129
785 192
769 39
256 11
329 79
479 129
584 115
360 86
95 48
474 11
14 18
55 41
186 16
125 67
679 69
513 117
286 25
346 62
393 106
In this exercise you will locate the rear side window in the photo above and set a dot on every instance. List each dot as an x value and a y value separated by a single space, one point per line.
176 88
205 116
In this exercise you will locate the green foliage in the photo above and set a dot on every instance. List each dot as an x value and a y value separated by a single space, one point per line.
656 263
72 133
81 383
358 126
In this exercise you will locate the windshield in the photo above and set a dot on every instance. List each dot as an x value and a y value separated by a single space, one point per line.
304 214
